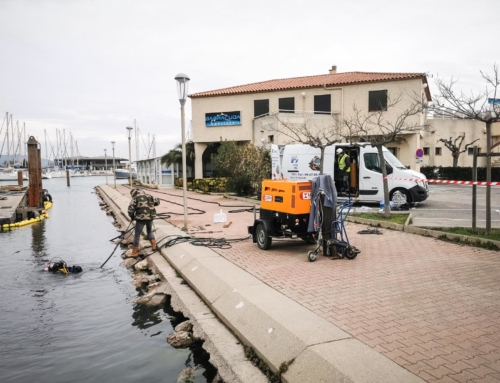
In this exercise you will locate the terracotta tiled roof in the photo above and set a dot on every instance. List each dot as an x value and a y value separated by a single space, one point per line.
328 80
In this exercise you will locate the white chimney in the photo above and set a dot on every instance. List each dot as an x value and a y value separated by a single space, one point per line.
333 70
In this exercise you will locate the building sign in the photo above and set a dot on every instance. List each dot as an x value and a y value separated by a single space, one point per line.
223 118
494 101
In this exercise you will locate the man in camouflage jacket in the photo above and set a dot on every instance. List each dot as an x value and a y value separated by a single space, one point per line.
142 210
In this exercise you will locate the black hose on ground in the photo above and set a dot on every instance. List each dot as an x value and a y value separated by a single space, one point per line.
245 208
220 243
123 235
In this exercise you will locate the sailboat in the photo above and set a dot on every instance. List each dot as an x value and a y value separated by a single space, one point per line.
13 139
10 174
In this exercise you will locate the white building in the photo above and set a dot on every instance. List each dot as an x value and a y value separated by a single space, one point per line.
249 113
152 171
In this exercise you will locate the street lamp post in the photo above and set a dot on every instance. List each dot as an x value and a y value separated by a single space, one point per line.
106 165
182 90
130 153
114 169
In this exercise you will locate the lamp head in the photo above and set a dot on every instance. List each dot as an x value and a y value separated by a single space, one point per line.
182 87
129 131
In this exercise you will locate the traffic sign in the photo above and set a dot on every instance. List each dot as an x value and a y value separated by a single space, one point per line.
419 153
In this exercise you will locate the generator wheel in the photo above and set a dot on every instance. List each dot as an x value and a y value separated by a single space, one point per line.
350 252
311 256
263 240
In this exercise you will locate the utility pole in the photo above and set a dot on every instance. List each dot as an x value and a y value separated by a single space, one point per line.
114 168
106 165
474 190
130 153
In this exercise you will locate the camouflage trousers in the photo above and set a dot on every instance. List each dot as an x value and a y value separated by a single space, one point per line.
139 226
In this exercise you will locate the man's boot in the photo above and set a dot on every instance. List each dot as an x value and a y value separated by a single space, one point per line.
135 251
153 244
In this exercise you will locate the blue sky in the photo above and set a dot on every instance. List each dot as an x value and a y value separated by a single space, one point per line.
93 66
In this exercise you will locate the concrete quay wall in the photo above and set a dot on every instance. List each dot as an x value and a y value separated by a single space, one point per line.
280 331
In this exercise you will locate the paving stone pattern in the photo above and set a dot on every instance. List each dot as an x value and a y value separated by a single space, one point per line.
430 306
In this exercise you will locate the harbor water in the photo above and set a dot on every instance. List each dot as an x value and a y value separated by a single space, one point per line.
83 327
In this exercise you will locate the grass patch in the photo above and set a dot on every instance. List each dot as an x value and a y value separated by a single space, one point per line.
394 218
494 236
476 243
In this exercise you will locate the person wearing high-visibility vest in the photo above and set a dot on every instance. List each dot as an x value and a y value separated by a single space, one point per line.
344 165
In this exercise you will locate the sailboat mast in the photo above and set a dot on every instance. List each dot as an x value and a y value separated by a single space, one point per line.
71 148
46 153
136 130
18 146
25 144
77 153
65 151
57 148
8 142
154 145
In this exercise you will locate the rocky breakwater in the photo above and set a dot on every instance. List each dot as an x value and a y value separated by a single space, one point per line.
157 291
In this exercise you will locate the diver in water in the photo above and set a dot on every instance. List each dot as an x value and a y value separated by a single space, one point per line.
61 267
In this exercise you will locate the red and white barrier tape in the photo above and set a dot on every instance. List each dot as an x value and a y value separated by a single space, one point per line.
478 183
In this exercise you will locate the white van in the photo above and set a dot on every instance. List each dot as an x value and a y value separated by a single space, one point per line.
302 162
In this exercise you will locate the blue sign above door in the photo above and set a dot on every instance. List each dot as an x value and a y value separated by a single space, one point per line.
223 118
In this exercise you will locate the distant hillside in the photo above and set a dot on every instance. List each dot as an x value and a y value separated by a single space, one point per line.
4 158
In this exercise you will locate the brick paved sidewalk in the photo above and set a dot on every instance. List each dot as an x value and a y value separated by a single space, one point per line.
431 306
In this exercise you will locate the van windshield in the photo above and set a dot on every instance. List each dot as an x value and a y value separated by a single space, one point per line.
391 158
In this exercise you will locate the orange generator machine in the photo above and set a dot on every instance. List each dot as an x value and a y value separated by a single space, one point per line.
284 212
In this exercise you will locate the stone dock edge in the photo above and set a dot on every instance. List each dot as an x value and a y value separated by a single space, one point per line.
280 331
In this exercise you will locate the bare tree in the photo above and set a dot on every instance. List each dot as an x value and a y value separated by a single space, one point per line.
316 133
480 107
377 129
455 147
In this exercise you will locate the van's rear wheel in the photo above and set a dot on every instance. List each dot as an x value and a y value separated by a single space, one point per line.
263 240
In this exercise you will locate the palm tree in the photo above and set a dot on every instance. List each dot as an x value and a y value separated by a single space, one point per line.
174 156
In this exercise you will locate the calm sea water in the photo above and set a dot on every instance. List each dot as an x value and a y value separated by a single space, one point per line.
85 327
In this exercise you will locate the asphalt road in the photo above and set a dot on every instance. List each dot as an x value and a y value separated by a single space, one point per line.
451 205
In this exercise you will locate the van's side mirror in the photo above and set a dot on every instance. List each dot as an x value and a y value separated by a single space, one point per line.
388 169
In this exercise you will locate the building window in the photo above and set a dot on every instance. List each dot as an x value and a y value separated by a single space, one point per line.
426 151
260 108
377 100
323 104
286 105
270 138
393 151
438 151
470 151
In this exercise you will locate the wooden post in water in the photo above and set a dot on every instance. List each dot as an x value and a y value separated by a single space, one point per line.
20 178
39 178
35 174
67 177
